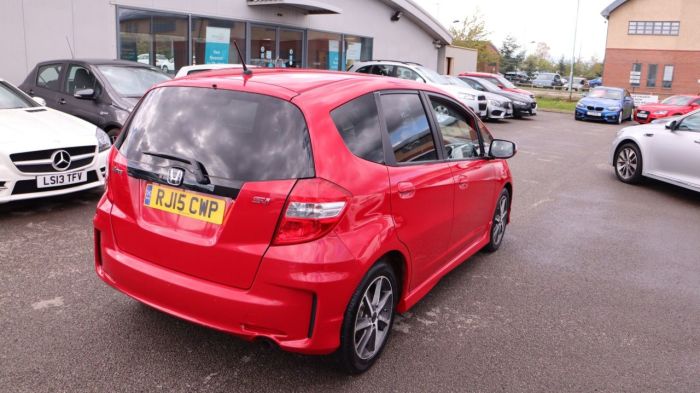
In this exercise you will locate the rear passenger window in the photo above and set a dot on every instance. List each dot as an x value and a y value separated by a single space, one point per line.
408 128
48 75
358 124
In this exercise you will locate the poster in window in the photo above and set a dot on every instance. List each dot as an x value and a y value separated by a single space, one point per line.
333 54
217 45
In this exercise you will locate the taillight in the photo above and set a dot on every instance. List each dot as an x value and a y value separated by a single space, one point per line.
313 209
110 164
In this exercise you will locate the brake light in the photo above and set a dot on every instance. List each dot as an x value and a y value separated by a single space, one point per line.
313 209
110 163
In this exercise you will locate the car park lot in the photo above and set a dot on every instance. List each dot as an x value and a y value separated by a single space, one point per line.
595 288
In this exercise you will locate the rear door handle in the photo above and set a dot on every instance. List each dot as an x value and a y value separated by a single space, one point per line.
649 134
406 190
697 141
462 182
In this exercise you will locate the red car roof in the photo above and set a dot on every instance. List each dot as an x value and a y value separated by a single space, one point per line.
289 83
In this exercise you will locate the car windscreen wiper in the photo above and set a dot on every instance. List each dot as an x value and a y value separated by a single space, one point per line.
200 172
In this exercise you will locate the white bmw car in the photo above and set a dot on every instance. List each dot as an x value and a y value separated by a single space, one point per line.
669 152
44 152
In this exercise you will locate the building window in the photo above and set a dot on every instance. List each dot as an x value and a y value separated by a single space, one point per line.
651 75
154 38
668 76
357 49
213 41
634 80
323 50
653 28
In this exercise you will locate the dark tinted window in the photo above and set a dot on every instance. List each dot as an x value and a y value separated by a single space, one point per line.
48 76
236 136
358 124
408 128
365 69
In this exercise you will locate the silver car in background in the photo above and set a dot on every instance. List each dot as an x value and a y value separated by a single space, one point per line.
667 152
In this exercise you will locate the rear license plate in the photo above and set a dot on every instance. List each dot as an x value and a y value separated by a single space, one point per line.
594 113
185 203
61 179
642 115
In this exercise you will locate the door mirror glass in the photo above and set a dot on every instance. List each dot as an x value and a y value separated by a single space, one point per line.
502 149
39 101
85 94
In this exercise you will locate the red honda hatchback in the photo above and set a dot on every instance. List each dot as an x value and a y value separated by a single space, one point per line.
304 208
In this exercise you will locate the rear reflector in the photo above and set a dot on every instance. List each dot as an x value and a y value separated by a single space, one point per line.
313 209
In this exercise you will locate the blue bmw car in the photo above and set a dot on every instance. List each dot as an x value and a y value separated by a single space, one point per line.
608 104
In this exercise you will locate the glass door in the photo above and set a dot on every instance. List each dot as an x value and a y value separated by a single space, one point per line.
263 46
291 45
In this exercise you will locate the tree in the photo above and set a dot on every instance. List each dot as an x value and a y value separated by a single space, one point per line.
511 58
473 34
562 66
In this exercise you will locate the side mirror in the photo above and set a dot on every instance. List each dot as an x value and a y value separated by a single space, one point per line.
694 105
85 94
502 149
39 101
673 126
500 86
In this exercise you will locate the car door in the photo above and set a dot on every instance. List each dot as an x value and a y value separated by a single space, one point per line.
421 185
473 173
675 155
79 77
48 83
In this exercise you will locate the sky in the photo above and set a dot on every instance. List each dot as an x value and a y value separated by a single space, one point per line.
549 21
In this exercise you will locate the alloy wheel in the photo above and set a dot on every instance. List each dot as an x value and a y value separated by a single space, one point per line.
373 318
500 220
626 163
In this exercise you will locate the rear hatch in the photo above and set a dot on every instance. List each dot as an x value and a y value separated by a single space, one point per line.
201 177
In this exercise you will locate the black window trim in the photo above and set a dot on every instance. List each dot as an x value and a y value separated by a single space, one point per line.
388 151
435 125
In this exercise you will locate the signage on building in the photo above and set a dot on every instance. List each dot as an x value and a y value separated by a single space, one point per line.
217 45
641 99
333 54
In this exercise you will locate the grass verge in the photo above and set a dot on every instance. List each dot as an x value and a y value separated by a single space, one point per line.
556 105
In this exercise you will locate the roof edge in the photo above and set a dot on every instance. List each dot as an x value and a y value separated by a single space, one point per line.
612 7
422 18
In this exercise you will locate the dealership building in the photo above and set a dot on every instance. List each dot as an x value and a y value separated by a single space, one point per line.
170 34
653 47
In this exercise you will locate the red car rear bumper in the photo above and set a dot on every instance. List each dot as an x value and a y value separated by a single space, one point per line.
293 302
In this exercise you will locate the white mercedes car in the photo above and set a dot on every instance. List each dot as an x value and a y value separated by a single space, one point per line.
44 152
667 152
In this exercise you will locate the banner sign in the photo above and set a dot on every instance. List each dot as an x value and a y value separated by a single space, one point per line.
641 99
217 45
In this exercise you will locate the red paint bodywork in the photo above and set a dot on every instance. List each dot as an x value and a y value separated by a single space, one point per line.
672 110
296 295
489 75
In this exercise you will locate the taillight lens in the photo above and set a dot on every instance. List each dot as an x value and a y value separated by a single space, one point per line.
110 163
313 209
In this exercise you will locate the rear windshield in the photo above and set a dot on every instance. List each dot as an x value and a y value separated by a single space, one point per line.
236 136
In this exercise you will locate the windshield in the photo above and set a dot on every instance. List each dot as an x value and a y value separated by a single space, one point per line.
10 98
434 77
458 82
488 85
606 93
677 100
498 80
131 81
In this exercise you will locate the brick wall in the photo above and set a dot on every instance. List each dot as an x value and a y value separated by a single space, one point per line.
618 64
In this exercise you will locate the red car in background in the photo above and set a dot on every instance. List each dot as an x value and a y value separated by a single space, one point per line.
499 81
300 208
672 106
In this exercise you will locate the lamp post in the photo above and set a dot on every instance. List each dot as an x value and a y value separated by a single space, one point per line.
573 53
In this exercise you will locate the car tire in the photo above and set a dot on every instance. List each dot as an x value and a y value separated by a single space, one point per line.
628 163
362 324
499 221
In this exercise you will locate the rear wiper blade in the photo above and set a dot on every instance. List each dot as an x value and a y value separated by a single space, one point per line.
200 172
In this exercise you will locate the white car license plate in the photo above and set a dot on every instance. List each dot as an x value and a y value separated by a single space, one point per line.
61 179
594 113
642 115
